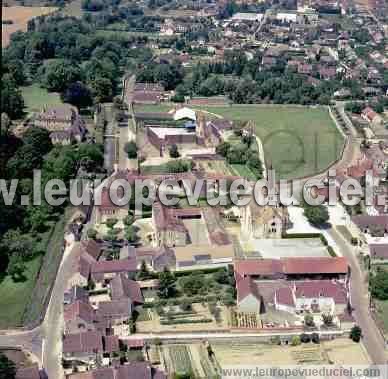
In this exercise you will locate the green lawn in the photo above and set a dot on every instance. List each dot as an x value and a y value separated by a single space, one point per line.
35 98
244 171
15 296
298 141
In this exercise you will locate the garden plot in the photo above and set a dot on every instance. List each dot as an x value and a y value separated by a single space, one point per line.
184 359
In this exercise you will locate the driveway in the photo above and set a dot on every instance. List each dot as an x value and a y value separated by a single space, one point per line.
52 326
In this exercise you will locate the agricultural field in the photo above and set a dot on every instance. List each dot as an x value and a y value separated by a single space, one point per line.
298 141
20 16
215 167
184 359
35 98
338 351
382 315
245 320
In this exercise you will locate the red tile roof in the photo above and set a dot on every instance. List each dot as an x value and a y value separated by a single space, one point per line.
31 372
91 247
115 266
115 308
246 287
378 251
111 344
318 265
79 309
122 287
87 342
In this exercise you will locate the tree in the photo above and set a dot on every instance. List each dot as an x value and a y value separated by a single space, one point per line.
111 222
316 215
379 285
309 320
92 234
131 149
327 319
355 333
305 338
102 89
143 272
5 124
130 234
166 284
223 148
16 268
77 94
7 367
174 152
295 341
315 338
12 101
59 74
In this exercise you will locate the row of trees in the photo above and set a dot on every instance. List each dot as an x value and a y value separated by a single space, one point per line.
21 227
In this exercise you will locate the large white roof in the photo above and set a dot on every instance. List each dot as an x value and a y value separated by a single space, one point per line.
185 112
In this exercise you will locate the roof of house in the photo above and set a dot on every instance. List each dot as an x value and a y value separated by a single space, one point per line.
31 372
246 287
85 262
311 289
111 344
302 265
122 287
114 266
79 309
379 250
136 370
91 247
76 293
100 373
364 221
115 308
86 342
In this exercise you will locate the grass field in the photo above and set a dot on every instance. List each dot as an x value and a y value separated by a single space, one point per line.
35 98
298 141
20 15
15 295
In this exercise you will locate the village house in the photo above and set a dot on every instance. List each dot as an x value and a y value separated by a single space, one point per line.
378 253
104 271
85 347
64 123
263 221
318 296
371 116
79 317
115 312
318 268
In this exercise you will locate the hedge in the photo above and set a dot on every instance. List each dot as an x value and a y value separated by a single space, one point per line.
177 322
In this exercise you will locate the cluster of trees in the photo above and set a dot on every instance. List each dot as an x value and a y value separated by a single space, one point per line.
21 227
316 215
379 285
65 55
242 153
358 106
196 284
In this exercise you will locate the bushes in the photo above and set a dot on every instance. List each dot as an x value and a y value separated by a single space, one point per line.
305 338
185 321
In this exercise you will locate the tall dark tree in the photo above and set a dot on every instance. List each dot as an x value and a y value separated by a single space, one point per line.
7 367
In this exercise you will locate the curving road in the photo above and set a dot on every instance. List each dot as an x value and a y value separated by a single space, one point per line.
372 339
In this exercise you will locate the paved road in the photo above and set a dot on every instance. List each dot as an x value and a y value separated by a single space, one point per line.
360 301
52 326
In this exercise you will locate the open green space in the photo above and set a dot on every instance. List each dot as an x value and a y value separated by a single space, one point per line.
15 295
298 141
35 98
244 171
23 301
